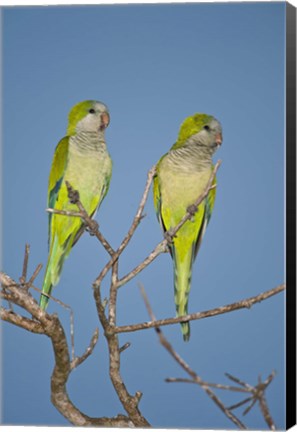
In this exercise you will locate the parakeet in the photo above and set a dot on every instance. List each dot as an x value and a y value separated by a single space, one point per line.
82 159
181 177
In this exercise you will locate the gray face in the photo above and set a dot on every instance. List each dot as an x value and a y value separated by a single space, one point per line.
210 136
96 120
215 125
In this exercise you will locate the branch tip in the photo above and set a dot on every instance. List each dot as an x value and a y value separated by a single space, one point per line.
125 346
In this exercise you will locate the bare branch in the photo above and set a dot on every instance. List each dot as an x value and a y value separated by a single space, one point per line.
59 379
246 303
130 403
257 395
160 248
138 217
34 276
260 396
23 278
125 346
79 360
239 404
257 392
50 326
164 342
64 212
239 381
22 298
265 412
180 380
213 385
21 321
113 294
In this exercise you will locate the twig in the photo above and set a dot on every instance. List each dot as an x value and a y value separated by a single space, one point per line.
160 248
164 342
34 276
23 278
239 381
257 395
260 396
246 303
64 212
113 294
265 411
213 385
89 350
248 409
239 404
125 346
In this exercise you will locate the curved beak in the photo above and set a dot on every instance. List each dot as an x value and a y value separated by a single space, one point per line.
219 139
104 120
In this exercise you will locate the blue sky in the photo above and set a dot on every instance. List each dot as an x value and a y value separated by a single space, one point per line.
153 65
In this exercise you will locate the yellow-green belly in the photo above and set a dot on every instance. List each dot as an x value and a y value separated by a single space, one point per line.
178 191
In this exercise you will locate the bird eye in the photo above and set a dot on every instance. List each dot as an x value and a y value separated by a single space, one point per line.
92 111
206 127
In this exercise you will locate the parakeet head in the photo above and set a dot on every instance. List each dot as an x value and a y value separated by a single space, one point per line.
201 130
88 116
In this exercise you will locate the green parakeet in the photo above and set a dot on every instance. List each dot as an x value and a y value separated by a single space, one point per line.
82 159
181 176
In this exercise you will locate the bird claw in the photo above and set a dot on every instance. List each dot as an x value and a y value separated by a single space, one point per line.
73 194
192 209
74 197
169 237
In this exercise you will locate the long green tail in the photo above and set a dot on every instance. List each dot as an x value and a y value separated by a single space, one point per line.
182 286
46 288
54 266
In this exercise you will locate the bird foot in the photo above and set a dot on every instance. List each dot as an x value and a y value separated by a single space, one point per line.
73 194
192 210
168 235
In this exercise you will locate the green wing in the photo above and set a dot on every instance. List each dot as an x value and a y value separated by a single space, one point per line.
158 204
210 199
157 197
59 165
208 208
